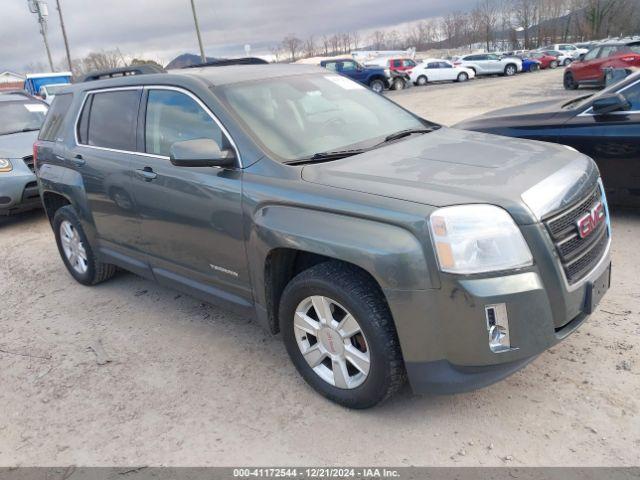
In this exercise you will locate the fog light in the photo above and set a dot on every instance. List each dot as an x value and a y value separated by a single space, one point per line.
498 327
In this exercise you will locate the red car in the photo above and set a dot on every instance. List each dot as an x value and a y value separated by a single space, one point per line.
590 68
546 60
401 64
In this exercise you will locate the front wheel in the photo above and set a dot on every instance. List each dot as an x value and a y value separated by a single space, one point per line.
566 62
553 64
340 335
422 80
569 82
534 68
463 77
398 84
510 70
377 85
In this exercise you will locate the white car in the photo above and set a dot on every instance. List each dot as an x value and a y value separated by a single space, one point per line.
564 58
438 70
48 92
567 48
490 64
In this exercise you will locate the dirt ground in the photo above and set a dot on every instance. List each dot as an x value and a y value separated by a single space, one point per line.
190 384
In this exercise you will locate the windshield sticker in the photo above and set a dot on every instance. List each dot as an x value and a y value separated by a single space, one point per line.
35 107
344 82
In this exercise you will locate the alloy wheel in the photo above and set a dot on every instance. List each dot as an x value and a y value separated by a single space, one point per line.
332 342
73 247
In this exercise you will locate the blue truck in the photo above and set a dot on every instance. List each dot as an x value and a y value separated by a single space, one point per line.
374 77
35 81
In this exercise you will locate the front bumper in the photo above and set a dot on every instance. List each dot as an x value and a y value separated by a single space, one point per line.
18 192
443 332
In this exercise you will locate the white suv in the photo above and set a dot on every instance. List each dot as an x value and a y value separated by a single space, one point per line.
490 64
566 48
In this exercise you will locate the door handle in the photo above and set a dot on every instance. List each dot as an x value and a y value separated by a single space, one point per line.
146 173
78 160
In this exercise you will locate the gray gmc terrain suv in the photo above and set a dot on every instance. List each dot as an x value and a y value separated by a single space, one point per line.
381 246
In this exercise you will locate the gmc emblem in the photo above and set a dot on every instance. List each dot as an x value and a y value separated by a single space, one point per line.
589 222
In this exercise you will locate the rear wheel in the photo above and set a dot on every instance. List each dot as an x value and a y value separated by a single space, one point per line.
75 250
340 336
510 70
422 80
534 67
463 77
569 82
566 62
377 85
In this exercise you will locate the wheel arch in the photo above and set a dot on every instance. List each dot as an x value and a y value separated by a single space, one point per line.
52 202
287 240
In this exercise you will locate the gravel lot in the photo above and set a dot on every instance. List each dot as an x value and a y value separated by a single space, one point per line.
191 384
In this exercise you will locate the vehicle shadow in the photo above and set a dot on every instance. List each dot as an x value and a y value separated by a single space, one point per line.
22 218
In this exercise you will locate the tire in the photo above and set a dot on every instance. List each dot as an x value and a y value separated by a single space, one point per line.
462 77
398 84
346 289
376 85
87 270
569 82
553 64
534 68
422 80
566 62
510 70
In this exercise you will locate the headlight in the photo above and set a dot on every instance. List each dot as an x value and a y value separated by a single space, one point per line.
476 239
5 165
387 72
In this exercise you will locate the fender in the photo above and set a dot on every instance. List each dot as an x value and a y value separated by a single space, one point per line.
392 255
69 184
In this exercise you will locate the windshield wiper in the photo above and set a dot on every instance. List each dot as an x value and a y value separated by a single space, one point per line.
406 133
326 156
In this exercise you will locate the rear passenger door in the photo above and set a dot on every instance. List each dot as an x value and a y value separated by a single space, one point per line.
192 229
105 142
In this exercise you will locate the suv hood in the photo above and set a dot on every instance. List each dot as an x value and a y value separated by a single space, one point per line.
450 166
17 145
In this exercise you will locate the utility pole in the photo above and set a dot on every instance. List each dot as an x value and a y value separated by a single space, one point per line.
195 20
64 36
40 8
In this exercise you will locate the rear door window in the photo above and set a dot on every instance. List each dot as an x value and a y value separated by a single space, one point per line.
174 117
112 119
52 126
592 54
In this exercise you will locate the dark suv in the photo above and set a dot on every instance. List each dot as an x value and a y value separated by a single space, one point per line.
379 244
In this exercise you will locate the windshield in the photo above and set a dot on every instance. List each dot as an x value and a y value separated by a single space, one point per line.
20 116
583 101
296 117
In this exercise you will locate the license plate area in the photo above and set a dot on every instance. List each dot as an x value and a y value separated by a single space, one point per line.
596 290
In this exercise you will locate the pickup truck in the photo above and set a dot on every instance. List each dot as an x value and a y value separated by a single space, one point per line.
374 77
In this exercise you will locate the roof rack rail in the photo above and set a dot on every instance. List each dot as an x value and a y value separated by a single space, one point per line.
122 72
223 62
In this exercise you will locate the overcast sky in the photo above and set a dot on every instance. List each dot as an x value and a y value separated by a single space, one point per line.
162 29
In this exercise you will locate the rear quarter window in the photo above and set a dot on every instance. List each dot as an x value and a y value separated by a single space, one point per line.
52 126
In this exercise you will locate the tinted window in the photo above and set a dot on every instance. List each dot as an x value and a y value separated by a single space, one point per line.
174 117
21 116
433 65
348 66
330 66
633 95
53 122
608 51
445 65
113 119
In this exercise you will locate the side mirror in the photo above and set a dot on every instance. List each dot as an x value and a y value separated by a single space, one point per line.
612 102
201 152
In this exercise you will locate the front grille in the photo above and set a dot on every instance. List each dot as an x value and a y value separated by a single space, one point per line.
578 255
29 162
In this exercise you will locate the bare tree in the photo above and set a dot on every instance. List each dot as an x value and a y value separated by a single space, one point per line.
292 45
378 39
488 15
310 47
